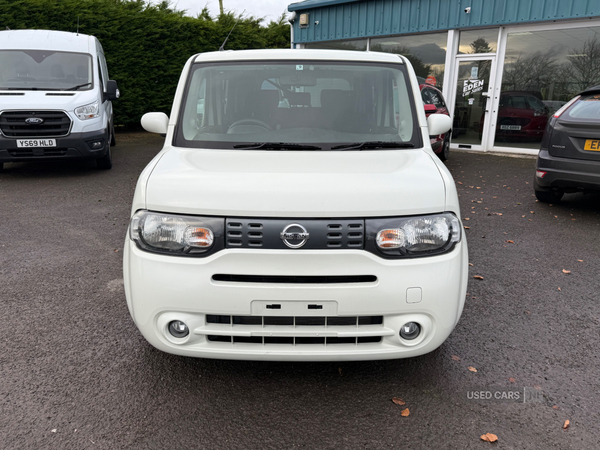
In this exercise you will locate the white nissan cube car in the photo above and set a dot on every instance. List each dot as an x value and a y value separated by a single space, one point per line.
296 213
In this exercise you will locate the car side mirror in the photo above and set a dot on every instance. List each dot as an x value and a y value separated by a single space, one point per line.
155 122
112 91
438 124
430 109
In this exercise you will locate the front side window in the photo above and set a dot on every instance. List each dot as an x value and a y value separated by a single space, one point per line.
236 105
45 70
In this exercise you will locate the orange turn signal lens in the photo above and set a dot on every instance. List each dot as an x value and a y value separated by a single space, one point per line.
199 237
390 238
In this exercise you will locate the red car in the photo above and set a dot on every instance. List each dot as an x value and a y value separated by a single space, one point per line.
433 100
522 117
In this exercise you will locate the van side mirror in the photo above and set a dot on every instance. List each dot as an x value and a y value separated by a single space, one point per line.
155 122
112 91
438 124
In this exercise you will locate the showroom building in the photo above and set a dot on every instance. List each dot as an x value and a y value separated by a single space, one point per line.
504 66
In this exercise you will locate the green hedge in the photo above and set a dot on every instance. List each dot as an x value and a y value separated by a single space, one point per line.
146 45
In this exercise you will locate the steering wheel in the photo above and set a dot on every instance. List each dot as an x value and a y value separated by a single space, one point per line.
257 122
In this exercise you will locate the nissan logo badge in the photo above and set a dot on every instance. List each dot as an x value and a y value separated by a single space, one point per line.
34 120
294 235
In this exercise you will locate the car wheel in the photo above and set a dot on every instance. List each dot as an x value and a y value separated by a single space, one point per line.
105 162
552 196
445 153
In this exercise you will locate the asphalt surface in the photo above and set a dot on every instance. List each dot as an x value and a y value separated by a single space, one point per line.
75 372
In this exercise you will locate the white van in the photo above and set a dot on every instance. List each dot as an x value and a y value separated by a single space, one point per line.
296 212
55 98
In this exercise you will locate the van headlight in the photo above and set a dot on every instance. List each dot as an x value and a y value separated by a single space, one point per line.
86 112
176 234
413 236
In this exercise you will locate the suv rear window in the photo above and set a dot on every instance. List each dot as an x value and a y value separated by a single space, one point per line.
302 102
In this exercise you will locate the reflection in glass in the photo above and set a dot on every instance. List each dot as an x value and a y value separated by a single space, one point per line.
356 45
426 53
478 41
542 71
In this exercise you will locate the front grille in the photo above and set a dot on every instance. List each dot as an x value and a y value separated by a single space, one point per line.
323 233
295 279
295 330
33 152
55 124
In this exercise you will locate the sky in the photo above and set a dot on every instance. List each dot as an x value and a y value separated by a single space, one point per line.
270 9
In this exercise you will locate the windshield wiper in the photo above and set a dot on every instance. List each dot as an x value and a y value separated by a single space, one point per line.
74 88
372 145
276 146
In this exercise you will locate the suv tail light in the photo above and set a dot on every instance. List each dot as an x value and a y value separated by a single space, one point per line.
565 107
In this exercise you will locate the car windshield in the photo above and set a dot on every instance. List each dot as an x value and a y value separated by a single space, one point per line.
301 105
44 70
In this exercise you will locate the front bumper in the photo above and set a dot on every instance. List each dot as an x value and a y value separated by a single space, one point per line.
160 289
71 147
567 173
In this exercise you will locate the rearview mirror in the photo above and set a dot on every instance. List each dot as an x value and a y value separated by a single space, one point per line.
155 122
438 124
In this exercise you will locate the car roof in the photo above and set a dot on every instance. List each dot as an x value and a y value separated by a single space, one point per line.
45 40
591 90
298 54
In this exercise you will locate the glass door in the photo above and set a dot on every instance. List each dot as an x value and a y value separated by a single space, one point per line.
472 102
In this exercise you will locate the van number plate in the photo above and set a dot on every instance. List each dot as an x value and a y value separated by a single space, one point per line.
24 143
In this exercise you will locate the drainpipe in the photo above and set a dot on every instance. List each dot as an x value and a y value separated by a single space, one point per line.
291 20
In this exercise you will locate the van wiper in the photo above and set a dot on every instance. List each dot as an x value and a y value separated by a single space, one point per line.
276 146
372 145
75 88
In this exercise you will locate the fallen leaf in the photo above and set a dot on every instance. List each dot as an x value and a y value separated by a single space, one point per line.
555 407
510 242
566 271
537 388
489 437
398 401
472 369
559 289
580 260
340 371
566 424
512 380
466 228
455 358
471 264
528 312
405 413
466 218
478 277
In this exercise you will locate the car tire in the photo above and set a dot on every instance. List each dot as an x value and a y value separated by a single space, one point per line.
105 162
551 196
445 153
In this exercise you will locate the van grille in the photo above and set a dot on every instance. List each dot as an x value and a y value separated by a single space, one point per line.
295 279
55 124
353 330
323 233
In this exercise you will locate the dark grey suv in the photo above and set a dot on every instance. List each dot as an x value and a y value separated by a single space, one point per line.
569 158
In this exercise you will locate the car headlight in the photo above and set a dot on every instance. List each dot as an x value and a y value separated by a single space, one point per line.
176 234
413 236
86 112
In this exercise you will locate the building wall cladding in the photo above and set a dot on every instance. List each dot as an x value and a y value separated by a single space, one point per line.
350 19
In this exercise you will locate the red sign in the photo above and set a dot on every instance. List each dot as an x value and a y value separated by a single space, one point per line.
431 80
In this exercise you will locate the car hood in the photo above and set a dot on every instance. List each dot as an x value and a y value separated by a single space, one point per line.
45 100
295 183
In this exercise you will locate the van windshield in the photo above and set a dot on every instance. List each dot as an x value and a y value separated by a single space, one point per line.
303 105
45 70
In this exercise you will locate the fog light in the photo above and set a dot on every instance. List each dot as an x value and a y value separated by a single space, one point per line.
178 329
410 331
95 145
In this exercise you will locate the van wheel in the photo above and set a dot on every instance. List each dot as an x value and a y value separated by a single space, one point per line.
105 162
553 196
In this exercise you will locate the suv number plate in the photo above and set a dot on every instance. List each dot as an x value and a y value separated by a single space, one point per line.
23 143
